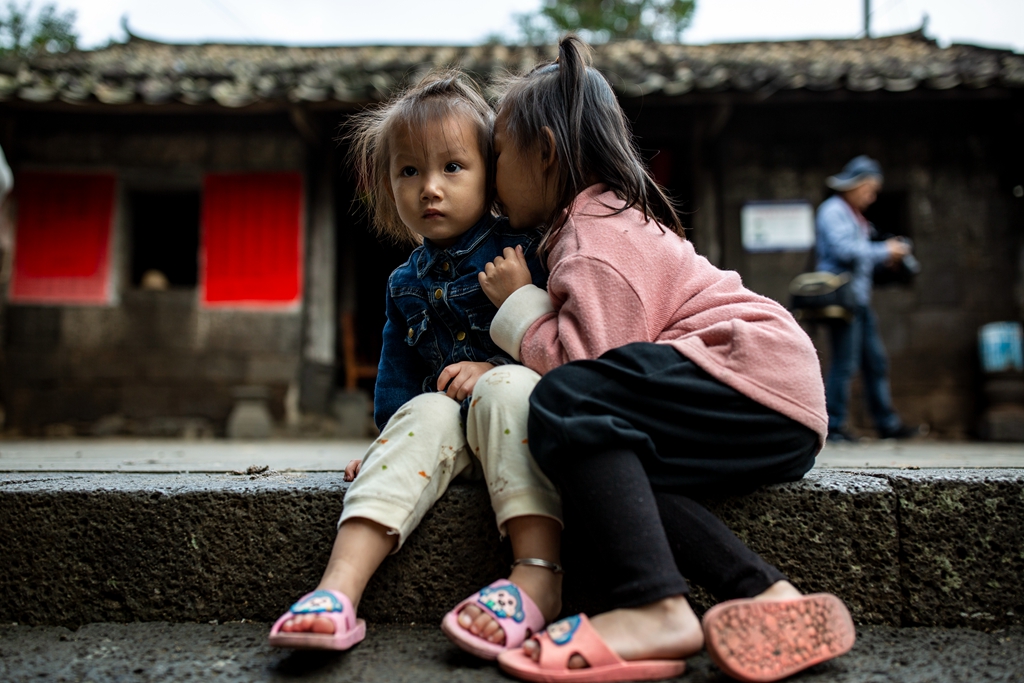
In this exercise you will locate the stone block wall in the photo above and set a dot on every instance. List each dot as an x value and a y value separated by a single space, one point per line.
157 354
150 355
947 164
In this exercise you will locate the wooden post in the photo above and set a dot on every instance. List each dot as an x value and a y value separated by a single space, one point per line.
707 222
320 333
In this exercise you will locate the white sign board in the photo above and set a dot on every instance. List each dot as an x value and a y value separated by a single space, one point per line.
777 226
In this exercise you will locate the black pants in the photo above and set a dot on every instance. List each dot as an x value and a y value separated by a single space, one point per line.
629 439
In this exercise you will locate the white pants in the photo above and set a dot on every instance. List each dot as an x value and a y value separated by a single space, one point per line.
423 447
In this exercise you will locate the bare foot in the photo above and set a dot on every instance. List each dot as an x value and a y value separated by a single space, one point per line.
667 629
308 623
316 623
780 590
360 547
542 585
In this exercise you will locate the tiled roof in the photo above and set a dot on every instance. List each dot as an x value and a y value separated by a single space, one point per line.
239 75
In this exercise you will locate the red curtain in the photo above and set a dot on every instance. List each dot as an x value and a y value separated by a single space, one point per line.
252 239
62 247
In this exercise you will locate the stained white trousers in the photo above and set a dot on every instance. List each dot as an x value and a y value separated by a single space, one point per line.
423 447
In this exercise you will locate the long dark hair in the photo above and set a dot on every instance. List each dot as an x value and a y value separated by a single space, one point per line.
592 135
438 95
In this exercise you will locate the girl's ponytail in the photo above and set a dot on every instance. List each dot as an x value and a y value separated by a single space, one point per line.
573 59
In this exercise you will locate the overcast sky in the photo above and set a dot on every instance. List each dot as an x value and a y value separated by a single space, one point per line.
996 23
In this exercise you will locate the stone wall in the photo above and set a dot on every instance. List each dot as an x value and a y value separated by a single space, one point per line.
952 157
949 164
156 355
172 144
153 358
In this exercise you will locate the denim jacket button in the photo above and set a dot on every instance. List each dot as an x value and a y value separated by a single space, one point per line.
438 293
445 266
460 336
411 333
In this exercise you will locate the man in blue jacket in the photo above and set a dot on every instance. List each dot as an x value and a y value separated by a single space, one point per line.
844 245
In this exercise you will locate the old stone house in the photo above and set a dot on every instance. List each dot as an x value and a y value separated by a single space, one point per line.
185 226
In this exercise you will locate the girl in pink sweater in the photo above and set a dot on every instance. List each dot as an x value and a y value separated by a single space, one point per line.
664 378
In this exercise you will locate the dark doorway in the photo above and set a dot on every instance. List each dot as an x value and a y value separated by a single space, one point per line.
165 236
364 265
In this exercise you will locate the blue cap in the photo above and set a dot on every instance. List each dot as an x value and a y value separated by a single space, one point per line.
858 170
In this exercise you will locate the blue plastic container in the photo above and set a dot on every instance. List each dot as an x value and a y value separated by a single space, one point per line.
1000 345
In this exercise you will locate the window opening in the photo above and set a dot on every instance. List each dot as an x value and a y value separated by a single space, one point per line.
165 238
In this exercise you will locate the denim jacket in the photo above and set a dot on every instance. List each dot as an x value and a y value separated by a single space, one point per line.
844 244
437 314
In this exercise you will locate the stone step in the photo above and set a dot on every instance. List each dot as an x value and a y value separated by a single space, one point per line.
400 653
901 547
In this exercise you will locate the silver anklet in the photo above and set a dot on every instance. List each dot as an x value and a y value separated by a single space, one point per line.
537 562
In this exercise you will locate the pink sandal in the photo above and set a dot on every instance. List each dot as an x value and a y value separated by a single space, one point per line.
766 640
514 610
331 604
572 636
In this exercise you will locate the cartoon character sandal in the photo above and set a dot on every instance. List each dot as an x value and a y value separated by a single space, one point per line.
510 606
331 604
767 640
575 636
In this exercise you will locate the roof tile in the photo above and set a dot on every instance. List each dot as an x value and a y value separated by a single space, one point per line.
239 75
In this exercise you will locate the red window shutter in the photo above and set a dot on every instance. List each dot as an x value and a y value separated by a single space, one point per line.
252 239
62 247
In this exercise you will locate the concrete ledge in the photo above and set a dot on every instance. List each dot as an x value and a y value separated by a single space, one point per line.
112 547
961 546
832 532
82 548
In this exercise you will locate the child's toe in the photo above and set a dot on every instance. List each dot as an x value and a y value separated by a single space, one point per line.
468 615
492 632
321 625
481 624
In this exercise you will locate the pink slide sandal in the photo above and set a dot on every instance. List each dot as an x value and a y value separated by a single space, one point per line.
766 640
330 604
574 635
510 606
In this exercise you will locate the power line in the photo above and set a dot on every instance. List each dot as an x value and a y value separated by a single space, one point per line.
234 17
869 15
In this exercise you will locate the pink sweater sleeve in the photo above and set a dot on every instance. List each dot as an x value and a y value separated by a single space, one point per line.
596 310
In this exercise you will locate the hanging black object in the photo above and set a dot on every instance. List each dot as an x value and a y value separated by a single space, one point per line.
901 272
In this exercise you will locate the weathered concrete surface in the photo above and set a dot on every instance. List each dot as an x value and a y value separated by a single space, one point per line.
102 653
154 355
81 548
332 454
117 547
832 532
961 546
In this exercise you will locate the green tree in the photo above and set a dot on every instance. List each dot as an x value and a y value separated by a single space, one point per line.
600 21
24 34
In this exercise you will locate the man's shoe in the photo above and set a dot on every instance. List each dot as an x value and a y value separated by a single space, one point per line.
901 432
841 435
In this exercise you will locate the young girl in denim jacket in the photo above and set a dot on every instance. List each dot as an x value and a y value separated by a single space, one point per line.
446 395
664 379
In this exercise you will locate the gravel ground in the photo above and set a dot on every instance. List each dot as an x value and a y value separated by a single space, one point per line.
125 653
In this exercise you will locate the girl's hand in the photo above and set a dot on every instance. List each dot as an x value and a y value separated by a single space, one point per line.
504 275
458 379
352 469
